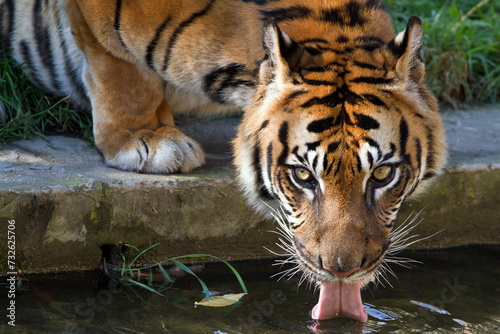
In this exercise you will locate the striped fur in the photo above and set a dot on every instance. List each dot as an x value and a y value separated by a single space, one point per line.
326 86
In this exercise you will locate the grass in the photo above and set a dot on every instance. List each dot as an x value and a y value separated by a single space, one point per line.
461 47
27 110
461 53
127 269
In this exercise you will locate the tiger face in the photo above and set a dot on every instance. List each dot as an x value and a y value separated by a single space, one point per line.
337 145
338 127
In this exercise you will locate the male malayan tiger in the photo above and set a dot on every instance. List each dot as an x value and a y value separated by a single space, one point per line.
338 127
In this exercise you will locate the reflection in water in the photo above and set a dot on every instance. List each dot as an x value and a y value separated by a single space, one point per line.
453 291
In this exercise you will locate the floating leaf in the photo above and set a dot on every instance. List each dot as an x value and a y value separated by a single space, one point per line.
221 301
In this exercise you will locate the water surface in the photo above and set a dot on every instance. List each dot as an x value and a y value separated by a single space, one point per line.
452 291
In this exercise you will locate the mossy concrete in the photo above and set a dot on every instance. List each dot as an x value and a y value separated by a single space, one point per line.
67 204
462 207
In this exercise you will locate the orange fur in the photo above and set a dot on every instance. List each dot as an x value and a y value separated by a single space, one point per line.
326 87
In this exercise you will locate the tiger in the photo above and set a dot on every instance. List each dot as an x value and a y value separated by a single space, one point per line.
338 125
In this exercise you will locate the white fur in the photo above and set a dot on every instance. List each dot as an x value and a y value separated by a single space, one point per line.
166 156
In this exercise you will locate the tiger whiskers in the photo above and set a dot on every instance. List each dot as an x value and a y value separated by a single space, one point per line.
285 242
399 240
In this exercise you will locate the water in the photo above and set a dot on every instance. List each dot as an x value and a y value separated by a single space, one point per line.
453 291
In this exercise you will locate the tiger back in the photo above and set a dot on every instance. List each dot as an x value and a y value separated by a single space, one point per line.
338 129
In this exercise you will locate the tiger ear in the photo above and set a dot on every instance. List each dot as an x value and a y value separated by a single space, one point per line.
282 54
407 46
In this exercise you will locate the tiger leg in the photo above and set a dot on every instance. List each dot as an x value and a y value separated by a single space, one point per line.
133 124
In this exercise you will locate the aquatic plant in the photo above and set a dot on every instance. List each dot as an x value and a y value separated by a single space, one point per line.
126 269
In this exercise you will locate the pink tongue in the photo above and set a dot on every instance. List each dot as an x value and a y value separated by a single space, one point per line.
340 300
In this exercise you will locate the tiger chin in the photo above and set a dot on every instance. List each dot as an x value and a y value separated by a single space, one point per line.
338 129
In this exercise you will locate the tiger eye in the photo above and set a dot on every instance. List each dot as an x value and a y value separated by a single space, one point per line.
302 174
382 173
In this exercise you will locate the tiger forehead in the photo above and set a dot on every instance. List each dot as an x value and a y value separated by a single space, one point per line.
344 92
353 17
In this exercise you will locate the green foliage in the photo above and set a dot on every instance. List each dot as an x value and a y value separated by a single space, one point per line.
155 277
27 110
461 46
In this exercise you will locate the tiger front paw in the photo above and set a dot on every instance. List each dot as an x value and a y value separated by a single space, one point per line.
165 150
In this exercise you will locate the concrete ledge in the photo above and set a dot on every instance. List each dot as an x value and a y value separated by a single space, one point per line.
67 204
463 206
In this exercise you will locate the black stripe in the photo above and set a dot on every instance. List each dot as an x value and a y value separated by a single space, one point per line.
373 143
264 125
313 40
366 122
295 94
342 39
372 80
315 163
332 147
418 146
320 125
256 163
118 12
281 188
319 69
291 97
295 152
283 138
325 162
313 51
287 14
269 156
44 45
319 82
152 45
365 65
260 2
412 190
180 28
217 81
70 68
403 137
338 168
312 146
358 163
370 39
332 100
350 15
369 47
6 32
329 170
430 161
375 100
389 155
429 175
370 159
375 4
28 60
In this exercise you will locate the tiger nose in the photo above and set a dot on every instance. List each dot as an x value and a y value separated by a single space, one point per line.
341 273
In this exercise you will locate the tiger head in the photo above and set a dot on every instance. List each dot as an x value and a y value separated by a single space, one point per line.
337 137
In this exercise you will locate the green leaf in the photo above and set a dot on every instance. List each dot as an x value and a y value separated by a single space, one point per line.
165 274
144 286
189 271
235 272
